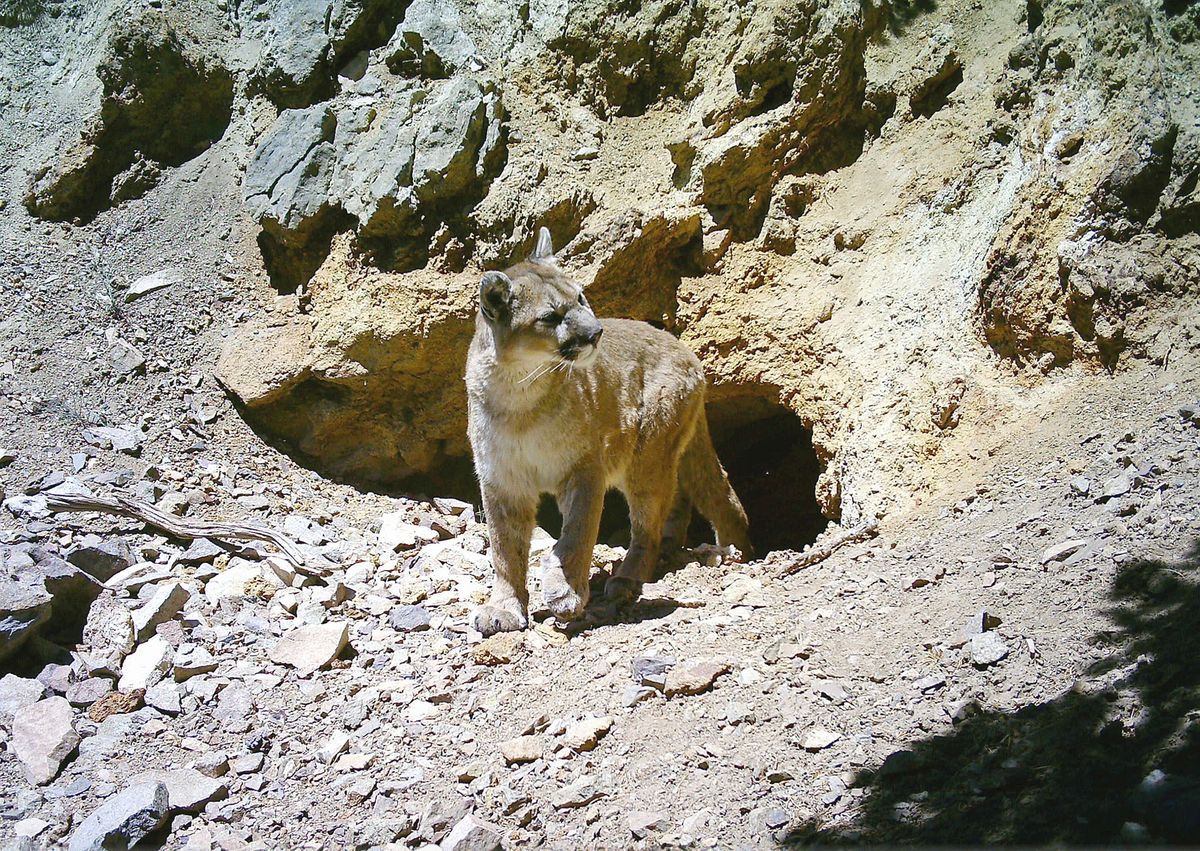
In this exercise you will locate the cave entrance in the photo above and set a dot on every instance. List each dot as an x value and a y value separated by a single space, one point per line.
768 453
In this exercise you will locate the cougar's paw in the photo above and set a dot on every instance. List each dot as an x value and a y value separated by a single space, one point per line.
619 589
491 619
563 602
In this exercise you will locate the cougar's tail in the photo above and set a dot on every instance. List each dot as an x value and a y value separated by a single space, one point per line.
703 480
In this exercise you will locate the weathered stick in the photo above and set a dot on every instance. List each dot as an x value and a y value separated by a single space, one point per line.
177 527
861 532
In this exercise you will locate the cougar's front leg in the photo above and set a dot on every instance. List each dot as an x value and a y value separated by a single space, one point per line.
510 525
566 568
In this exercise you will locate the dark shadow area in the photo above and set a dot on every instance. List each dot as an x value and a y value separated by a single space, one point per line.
933 94
901 13
768 453
1112 761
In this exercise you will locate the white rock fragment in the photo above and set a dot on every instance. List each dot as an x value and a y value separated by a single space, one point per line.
310 648
146 665
819 738
43 737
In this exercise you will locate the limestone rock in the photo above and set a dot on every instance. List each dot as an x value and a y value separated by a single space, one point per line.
472 833
167 602
187 789
123 820
586 734
99 558
693 677
310 648
16 693
430 41
521 749
43 737
146 665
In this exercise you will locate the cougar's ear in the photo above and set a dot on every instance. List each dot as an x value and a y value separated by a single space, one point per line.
544 250
495 295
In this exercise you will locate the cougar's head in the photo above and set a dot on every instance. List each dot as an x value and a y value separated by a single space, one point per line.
537 314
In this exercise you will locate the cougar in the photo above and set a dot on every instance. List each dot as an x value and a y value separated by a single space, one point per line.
560 402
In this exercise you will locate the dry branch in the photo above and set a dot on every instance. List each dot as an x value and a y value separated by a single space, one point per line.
177 527
861 532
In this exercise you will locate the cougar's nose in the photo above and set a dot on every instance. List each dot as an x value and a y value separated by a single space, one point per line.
594 337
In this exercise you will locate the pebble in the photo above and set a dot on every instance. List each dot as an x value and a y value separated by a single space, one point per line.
578 794
17 693
310 648
818 738
987 648
116 703
409 618
146 665
585 735
123 820
472 833
1059 552
88 691
188 790
498 649
652 670
43 736
642 823
693 677
521 749
396 533
167 601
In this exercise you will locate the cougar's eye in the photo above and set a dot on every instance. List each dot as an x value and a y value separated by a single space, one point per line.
582 301
550 319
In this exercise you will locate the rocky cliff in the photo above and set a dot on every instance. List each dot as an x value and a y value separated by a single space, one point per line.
895 223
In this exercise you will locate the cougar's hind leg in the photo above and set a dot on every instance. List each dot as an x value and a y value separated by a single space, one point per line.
674 536
704 480
650 499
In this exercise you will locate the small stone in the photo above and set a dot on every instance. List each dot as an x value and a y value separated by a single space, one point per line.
43 737
101 559
929 683
819 738
642 824
586 153
522 749
472 833
200 551
123 820
193 662
584 735
116 703
498 649
1081 485
236 581
832 691
88 691
335 746
1059 552
578 794
213 764
1116 486
779 775
28 828
987 648
16 693
146 665
694 677
167 602
360 790
163 696
149 283
188 790
409 618
652 670
396 533
310 648
421 710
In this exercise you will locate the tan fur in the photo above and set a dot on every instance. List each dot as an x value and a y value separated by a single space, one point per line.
550 412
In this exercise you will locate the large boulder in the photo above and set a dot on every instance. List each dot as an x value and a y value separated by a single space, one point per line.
40 594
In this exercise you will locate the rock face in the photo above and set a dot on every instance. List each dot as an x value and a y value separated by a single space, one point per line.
163 102
123 820
765 185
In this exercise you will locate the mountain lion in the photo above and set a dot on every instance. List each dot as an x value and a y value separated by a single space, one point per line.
559 402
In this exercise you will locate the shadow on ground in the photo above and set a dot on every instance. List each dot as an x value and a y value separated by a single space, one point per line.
1116 759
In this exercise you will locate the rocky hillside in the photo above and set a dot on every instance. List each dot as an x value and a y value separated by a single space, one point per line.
939 260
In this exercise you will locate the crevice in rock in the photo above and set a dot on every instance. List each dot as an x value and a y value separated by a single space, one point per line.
933 94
